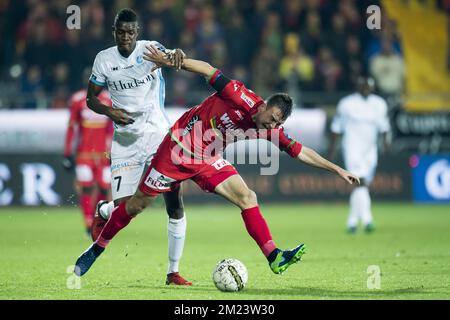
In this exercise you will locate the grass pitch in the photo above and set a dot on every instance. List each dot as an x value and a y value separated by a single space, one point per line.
411 248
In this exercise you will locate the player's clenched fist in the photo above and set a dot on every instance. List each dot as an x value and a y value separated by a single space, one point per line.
120 116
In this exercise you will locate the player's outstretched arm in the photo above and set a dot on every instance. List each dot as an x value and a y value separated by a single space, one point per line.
162 60
311 157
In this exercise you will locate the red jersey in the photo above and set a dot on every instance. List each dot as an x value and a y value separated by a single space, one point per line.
94 130
223 118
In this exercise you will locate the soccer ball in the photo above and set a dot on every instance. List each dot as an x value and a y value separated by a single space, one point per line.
230 275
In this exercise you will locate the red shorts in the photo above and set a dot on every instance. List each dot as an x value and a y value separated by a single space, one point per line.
164 174
92 171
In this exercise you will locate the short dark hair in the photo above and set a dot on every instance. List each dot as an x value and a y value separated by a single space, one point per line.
125 15
283 101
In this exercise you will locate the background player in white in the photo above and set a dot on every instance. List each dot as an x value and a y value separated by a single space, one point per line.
140 124
360 117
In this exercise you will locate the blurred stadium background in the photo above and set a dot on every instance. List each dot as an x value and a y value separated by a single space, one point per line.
313 49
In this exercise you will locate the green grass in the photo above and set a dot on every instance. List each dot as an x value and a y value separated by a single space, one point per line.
411 246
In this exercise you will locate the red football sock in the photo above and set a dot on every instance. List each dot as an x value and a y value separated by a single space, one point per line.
119 219
257 228
87 208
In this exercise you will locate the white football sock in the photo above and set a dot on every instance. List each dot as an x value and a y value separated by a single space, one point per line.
176 230
366 212
355 208
106 209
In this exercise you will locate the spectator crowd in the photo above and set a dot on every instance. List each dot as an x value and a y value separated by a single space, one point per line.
271 45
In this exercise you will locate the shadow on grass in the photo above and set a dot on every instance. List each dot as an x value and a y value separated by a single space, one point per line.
318 293
329 293
173 287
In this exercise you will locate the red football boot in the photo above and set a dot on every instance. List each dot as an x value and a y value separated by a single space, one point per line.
176 279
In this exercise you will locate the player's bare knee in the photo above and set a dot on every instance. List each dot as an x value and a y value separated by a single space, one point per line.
137 204
119 201
175 213
248 199
363 182
135 208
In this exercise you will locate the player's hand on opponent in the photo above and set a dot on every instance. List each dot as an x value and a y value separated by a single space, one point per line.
158 57
68 163
119 116
176 57
349 177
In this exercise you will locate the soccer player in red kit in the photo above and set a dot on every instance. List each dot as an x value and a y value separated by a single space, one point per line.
191 151
94 134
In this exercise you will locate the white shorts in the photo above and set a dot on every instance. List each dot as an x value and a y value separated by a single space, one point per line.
129 157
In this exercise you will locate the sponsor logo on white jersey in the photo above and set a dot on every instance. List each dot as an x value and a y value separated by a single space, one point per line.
123 167
135 83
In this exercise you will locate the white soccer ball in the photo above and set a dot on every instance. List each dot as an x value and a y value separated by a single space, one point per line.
230 275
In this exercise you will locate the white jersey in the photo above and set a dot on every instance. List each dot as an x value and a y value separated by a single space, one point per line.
133 87
360 120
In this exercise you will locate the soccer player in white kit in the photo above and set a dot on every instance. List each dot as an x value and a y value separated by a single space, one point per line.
137 92
360 118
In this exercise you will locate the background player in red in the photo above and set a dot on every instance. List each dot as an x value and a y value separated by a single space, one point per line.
190 151
93 133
